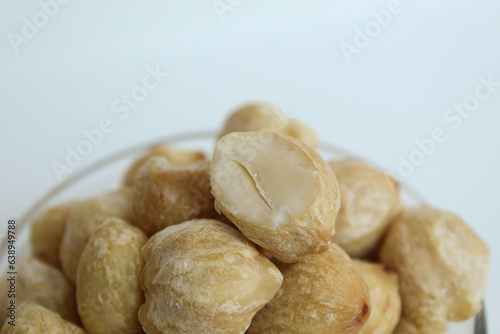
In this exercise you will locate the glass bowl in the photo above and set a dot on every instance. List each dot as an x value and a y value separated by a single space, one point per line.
107 174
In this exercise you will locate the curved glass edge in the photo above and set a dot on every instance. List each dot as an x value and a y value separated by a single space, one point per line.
479 320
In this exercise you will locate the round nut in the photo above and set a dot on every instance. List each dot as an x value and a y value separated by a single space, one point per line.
263 116
442 266
370 200
382 282
164 194
87 216
280 193
203 276
321 294
35 319
47 232
108 291
174 156
41 283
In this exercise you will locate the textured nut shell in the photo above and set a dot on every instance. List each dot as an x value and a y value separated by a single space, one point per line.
44 284
370 200
108 290
165 194
174 156
442 266
35 319
320 294
382 282
263 116
84 219
203 276
307 233
47 232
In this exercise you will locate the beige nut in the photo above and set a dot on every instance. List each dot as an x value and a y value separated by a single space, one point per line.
84 219
280 193
321 294
175 156
382 282
204 277
165 194
35 319
47 232
39 282
370 200
263 116
108 291
442 266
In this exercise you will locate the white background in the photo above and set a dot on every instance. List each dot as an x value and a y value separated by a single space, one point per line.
395 91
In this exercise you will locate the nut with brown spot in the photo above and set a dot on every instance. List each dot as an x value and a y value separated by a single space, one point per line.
321 294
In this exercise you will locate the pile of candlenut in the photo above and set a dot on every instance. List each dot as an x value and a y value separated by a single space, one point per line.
263 237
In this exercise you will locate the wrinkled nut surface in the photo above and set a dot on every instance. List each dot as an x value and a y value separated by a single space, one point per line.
263 116
165 194
84 219
175 156
107 290
321 294
32 318
382 282
41 283
280 193
370 200
203 277
47 231
442 266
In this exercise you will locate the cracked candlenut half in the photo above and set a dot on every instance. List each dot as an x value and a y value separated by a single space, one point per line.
321 294
442 266
382 282
204 277
280 193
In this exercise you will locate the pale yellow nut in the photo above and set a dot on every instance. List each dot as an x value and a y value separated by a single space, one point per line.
382 282
87 216
280 193
166 194
442 266
320 294
370 200
263 116
204 277
32 318
47 231
175 156
39 282
107 290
